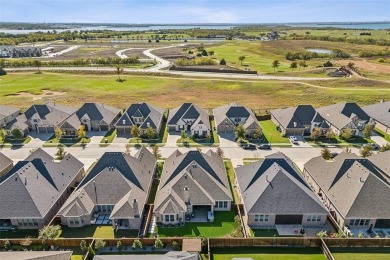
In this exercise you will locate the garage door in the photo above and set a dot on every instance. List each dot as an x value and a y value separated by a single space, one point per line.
50 129
104 127
225 129
171 128
288 219
42 129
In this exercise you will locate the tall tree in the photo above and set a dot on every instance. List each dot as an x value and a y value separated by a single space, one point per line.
330 134
365 151
60 154
240 132
303 64
48 232
17 133
81 133
58 133
325 153
367 131
294 65
316 133
275 64
241 59
150 132
346 133
135 132
3 134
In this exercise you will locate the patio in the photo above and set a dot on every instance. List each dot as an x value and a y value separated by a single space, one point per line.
102 219
199 214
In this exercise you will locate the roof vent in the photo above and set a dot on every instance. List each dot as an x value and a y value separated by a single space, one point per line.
361 179
25 181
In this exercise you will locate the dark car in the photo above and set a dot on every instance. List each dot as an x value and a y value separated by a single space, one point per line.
264 146
374 147
249 146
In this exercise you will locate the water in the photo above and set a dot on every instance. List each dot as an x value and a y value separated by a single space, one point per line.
320 51
367 26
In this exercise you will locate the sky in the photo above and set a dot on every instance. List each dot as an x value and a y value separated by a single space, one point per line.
194 11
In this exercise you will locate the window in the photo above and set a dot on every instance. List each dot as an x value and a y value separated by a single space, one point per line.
225 204
169 218
359 222
166 218
172 218
261 218
366 222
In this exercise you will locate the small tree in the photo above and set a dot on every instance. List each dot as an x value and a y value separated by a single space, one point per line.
365 151
150 132
60 154
240 132
222 62
137 244
211 53
183 134
119 245
156 151
26 242
17 133
360 235
99 244
38 64
325 153
367 131
328 64
58 133
83 246
220 152
204 53
316 133
384 148
330 134
294 65
346 133
81 133
321 234
275 64
158 244
302 63
3 134
241 59
128 148
135 132
175 246
351 65
257 133
91 252
7 244
48 232
119 70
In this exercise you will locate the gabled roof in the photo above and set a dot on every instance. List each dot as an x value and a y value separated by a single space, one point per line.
33 186
116 179
6 111
380 112
381 162
189 111
296 117
203 174
177 113
151 114
354 185
234 110
5 162
275 186
18 122
53 113
341 114
98 112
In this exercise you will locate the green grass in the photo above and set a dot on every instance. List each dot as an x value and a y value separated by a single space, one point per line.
153 191
74 142
274 253
232 179
96 231
215 134
270 133
168 92
222 226
19 233
354 141
9 141
110 136
162 138
383 134
360 253
264 233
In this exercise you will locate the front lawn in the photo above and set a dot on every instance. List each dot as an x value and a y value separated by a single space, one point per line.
383 134
110 136
359 253
274 253
162 137
271 135
213 141
68 142
96 231
222 226
11 141
354 141
231 177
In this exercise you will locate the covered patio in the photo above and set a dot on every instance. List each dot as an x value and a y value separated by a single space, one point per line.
200 214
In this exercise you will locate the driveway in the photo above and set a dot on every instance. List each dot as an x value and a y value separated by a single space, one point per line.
227 141
172 139
96 136
38 139
379 139
122 138
301 142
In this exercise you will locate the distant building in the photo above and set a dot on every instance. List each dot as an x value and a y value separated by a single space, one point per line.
273 36
19 52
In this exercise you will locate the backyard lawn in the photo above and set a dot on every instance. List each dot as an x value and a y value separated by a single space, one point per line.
357 253
231 178
110 136
264 233
222 226
95 231
272 135
274 253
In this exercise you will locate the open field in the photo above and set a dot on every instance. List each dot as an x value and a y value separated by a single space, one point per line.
357 253
273 253
169 92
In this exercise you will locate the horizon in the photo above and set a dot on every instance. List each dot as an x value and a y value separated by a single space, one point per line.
188 12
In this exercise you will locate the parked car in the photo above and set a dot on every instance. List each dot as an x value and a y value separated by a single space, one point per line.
249 146
293 139
264 147
374 147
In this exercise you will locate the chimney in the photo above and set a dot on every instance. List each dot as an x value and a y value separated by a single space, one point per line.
135 208
186 195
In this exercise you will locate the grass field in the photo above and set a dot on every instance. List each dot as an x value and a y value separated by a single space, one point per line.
357 253
264 233
270 133
274 253
172 92
53 141
222 226
96 231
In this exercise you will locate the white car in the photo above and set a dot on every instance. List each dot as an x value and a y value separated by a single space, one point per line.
293 139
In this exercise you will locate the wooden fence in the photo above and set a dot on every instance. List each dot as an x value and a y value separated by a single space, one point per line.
326 250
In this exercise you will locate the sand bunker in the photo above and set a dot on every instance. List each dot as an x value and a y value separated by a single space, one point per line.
46 93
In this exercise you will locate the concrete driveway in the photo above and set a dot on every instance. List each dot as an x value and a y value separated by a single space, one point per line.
172 139
379 139
122 138
38 139
227 140
301 142
96 136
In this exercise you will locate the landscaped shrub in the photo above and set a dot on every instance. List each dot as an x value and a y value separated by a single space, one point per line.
137 244
91 252
328 64
7 244
222 62
119 245
158 244
175 246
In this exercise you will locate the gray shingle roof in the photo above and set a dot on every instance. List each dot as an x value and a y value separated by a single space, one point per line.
203 173
151 114
33 186
302 115
51 113
341 114
380 112
5 162
18 122
36 255
189 111
119 179
234 110
354 185
6 111
381 161
275 186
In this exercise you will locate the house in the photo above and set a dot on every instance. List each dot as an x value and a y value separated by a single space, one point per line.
143 115
299 120
193 185
5 164
273 36
171 255
189 117
115 192
381 162
380 112
7 114
20 122
94 117
229 116
353 189
345 115
19 52
33 191
46 118
274 193
34 255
